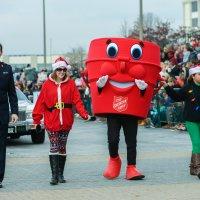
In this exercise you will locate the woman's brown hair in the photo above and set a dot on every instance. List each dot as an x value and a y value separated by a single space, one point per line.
54 76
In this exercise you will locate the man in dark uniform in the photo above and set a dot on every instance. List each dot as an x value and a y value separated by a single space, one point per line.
7 96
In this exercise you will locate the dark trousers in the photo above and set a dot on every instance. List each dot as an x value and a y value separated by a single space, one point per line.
130 125
3 135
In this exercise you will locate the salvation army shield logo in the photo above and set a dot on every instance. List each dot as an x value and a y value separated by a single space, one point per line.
120 103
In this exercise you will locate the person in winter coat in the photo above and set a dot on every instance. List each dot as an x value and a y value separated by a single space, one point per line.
190 94
54 103
8 97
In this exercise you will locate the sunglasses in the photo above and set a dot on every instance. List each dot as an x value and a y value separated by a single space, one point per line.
61 69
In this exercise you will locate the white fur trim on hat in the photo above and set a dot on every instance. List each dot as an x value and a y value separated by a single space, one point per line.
60 64
194 70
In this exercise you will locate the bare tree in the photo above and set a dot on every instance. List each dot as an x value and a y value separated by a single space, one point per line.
154 29
77 56
124 29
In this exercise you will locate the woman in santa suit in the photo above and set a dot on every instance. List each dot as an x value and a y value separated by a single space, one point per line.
54 103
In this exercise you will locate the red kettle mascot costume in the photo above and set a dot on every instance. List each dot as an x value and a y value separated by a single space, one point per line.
122 73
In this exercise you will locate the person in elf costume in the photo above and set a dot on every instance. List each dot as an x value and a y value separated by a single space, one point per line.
122 74
190 94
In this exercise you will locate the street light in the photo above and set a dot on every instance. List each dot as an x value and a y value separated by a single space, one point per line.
44 34
141 20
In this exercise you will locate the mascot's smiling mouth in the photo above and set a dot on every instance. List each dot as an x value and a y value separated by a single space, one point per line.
121 84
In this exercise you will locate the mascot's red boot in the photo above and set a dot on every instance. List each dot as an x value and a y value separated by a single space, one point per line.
132 173
113 169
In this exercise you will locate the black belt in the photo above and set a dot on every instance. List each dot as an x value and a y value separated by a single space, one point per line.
59 106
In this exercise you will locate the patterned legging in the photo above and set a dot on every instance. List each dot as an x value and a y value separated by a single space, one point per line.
58 141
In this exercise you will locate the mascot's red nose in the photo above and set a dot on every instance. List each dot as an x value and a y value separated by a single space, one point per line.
122 66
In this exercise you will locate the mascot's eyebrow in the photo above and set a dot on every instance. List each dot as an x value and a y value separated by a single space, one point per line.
141 44
108 41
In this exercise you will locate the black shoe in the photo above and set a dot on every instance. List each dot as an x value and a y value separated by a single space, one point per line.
1 185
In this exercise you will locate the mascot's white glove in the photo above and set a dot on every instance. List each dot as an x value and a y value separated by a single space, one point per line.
102 81
142 85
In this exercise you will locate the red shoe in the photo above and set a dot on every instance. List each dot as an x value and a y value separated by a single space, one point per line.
113 168
132 173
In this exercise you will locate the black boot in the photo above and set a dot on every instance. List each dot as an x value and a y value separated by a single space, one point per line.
1 184
54 168
62 160
193 167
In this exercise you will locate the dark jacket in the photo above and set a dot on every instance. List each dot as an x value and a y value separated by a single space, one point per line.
190 94
7 93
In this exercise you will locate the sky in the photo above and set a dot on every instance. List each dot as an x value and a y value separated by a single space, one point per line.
73 23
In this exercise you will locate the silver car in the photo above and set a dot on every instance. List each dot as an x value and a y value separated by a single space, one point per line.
25 126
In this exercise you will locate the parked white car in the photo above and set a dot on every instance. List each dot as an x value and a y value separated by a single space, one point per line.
25 126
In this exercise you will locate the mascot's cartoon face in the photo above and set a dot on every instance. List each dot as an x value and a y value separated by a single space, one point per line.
124 61
123 64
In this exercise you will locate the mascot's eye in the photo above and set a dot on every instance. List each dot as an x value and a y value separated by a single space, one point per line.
136 51
112 50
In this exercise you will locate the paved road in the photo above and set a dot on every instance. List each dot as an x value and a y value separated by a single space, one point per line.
163 156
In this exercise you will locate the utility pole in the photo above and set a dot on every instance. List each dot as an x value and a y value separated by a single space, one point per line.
141 20
44 35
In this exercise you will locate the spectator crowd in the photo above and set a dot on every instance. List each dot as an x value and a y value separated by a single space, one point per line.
176 59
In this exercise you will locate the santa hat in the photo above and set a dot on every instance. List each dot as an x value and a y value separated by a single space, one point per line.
60 63
194 70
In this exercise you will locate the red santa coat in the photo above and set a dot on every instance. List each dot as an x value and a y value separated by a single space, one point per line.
53 93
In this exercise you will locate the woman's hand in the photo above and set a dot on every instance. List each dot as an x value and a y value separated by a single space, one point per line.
91 118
